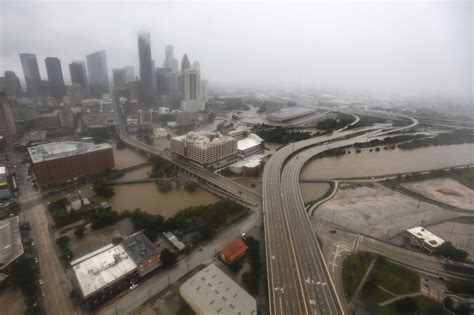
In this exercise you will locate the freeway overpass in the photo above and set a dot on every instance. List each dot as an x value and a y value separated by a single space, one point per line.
298 278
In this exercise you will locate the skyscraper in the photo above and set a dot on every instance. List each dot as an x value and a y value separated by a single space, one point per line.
119 78
146 71
77 68
192 99
163 81
98 76
170 61
32 75
196 66
10 84
130 73
55 77
185 64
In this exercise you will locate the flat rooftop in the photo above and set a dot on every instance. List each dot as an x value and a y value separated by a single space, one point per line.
211 291
57 150
10 241
203 139
429 238
107 265
139 247
251 141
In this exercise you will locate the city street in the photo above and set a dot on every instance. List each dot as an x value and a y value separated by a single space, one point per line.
56 285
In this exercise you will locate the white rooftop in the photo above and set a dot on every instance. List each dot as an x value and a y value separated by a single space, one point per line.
251 141
106 266
56 150
429 238
203 138
211 291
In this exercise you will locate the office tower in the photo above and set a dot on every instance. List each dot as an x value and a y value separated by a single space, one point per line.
119 78
153 76
146 71
185 64
134 90
130 73
7 122
97 71
32 75
77 68
196 66
10 84
192 99
163 81
204 90
170 61
55 77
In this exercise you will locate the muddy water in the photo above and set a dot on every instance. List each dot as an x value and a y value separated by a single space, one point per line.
147 197
387 162
313 191
127 157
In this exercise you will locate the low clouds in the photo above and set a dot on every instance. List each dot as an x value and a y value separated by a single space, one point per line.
409 48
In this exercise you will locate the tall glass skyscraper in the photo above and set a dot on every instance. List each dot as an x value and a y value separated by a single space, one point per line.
55 77
32 75
146 71
78 73
97 71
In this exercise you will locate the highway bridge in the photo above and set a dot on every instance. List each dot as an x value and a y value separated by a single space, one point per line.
298 278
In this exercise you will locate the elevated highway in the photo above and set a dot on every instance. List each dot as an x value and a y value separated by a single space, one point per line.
298 278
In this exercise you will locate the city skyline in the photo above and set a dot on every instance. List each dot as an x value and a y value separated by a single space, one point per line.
417 58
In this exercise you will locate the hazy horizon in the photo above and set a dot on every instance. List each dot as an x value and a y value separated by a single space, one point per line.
402 48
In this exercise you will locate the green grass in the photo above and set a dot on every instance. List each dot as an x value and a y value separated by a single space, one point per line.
394 278
353 270
425 306
382 296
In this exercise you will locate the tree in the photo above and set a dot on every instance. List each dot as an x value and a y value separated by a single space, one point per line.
447 249
406 306
251 282
191 186
80 230
168 258
62 242
102 189
103 217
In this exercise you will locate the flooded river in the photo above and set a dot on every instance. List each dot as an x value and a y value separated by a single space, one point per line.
146 196
387 162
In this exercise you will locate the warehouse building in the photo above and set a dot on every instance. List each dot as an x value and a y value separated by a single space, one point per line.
252 144
211 291
59 162
423 239
10 242
143 252
205 148
102 274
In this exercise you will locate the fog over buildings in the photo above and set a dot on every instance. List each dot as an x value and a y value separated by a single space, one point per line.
412 48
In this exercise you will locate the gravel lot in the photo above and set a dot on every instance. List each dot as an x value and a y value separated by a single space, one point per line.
445 190
379 211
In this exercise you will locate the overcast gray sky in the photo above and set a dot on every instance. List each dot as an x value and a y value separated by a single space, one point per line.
418 48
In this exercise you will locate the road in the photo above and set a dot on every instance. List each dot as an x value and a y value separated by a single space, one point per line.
298 277
151 287
56 286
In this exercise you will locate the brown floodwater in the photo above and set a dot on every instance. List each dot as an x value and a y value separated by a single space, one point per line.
127 157
387 162
147 197
313 191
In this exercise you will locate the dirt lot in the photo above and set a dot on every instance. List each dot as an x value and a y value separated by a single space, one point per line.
12 302
459 232
379 211
445 190
94 239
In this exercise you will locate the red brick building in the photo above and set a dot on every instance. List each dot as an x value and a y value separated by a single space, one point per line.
234 251
58 162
